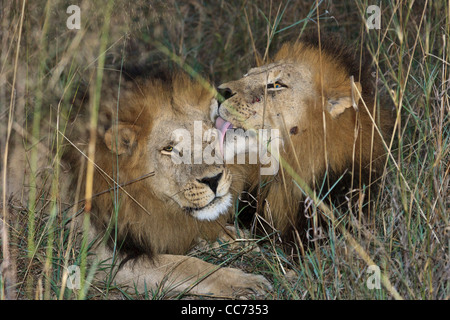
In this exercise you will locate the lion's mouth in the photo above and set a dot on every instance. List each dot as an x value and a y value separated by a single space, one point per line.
238 140
214 209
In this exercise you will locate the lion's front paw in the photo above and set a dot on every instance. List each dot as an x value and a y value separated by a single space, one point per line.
235 283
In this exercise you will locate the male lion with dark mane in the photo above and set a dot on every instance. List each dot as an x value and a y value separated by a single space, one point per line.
322 102
163 209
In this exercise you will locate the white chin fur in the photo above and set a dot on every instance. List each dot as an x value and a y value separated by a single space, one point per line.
214 210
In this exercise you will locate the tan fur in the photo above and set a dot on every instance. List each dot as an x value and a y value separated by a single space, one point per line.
317 119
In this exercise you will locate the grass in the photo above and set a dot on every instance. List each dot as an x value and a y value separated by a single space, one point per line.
44 68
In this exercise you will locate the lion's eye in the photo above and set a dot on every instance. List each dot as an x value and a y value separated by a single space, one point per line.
276 85
167 150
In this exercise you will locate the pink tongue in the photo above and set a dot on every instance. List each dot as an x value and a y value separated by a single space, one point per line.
222 125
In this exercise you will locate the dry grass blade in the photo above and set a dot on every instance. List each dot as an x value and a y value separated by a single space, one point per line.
8 266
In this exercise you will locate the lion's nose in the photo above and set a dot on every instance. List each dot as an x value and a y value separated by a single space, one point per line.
212 182
226 93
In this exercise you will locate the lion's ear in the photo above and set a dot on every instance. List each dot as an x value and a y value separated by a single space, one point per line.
345 99
121 138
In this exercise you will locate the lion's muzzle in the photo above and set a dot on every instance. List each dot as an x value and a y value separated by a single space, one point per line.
209 196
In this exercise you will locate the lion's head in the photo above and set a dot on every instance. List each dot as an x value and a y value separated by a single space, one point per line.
164 205
285 91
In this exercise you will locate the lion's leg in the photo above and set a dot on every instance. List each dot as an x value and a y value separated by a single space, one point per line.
176 273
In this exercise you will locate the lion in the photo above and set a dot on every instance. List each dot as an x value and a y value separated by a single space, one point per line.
322 104
162 208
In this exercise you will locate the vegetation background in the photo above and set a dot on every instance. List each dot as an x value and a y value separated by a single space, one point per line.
45 67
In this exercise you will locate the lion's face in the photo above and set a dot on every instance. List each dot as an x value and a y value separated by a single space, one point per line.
146 142
283 94
202 190
272 91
